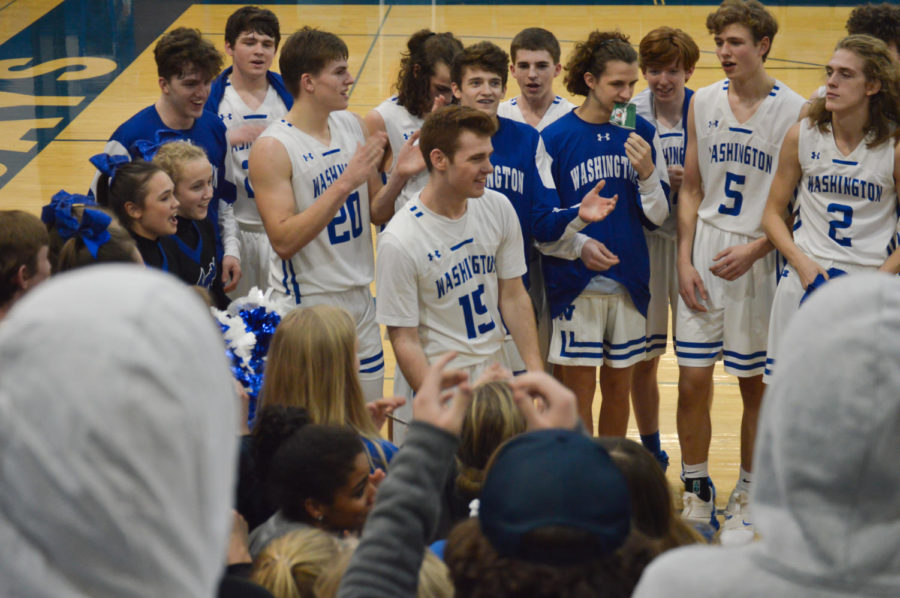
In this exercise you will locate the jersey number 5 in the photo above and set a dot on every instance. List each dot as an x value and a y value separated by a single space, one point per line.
474 300
355 228
731 181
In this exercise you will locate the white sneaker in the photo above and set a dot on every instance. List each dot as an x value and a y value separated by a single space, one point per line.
738 529
698 511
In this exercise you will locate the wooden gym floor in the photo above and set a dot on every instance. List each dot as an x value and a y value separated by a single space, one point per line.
64 88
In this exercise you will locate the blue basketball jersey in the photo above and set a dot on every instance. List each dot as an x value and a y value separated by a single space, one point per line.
583 153
518 158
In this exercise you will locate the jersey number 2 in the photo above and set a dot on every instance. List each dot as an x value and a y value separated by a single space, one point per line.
468 302
355 229
846 214
731 181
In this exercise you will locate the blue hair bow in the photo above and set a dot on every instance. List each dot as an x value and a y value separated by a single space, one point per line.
59 210
94 230
147 149
109 164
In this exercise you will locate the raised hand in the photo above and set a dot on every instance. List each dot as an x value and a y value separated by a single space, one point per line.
594 207
640 154
555 403
443 396
366 159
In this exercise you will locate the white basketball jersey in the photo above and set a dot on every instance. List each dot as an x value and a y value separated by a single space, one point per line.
738 160
848 203
400 125
451 290
673 143
235 114
341 256
559 107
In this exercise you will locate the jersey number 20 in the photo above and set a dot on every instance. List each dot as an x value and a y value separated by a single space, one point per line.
355 227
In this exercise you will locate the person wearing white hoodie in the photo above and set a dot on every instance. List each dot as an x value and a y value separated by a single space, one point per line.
825 498
118 439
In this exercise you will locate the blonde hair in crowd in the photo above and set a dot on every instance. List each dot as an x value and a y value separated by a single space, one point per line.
289 566
434 577
312 364
491 419
173 155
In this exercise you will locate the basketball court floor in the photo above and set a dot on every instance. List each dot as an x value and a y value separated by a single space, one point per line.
71 71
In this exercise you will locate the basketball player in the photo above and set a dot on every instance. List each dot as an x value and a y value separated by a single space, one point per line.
599 319
667 58
450 263
725 264
535 64
316 184
423 83
522 172
248 97
187 64
844 165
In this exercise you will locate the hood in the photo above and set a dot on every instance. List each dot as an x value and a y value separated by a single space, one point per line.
827 475
117 439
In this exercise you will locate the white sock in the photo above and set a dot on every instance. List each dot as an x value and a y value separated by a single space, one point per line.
700 470
745 480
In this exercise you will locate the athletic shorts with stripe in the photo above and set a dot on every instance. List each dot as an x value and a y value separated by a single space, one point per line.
256 255
787 299
663 293
599 329
359 302
736 324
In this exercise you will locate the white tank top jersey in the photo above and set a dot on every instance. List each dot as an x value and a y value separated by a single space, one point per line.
672 142
235 114
738 160
848 204
400 125
559 107
442 275
341 256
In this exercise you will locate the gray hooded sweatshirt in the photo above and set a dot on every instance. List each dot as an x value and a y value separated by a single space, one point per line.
117 439
826 501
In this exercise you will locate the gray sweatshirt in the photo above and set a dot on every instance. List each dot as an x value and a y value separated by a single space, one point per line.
391 550
825 501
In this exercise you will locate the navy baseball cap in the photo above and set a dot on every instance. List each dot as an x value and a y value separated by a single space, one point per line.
553 478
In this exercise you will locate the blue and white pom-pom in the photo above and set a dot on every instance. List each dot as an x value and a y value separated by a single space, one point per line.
248 326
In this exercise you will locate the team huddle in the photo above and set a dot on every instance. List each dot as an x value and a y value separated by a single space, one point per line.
531 230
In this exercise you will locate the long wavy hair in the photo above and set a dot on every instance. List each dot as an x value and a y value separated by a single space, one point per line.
884 106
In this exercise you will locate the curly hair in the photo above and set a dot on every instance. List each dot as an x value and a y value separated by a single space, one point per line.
478 571
884 106
591 56
485 55
425 50
749 13
182 50
878 20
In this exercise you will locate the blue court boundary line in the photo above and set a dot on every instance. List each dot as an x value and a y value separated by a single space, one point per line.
362 67
7 5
